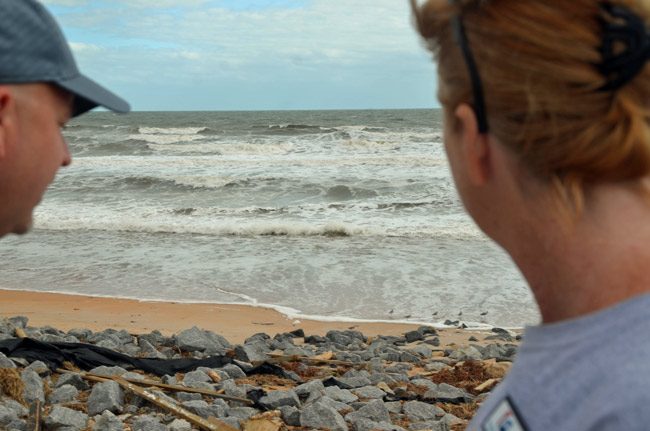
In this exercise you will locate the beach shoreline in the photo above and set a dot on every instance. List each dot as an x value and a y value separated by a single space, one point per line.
236 322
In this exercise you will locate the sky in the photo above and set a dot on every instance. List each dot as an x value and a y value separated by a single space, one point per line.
204 55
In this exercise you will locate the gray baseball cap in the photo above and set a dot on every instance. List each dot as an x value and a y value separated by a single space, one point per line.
33 49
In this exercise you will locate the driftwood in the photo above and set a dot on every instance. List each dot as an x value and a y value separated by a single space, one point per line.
211 425
35 416
177 388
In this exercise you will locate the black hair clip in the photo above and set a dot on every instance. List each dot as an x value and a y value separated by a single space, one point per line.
623 28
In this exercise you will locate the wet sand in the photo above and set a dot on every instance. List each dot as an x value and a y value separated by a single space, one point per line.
235 322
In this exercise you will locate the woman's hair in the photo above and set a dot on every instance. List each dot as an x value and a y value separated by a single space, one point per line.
538 62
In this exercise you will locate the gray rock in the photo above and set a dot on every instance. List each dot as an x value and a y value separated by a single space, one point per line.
340 407
466 354
107 421
310 391
425 383
73 380
150 351
193 377
342 395
17 425
7 415
15 406
6 362
417 411
63 394
422 350
413 336
277 399
147 423
106 396
65 418
374 410
19 321
40 368
429 426
365 424
179 425
234 371
369 392
355 382
188 396
251 352
448 394
231 389
409 357
290 415
33 386
339 337
199 407
394 407
108 371
321 416
80 333
198 340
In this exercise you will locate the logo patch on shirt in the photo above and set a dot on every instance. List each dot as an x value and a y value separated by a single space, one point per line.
504 417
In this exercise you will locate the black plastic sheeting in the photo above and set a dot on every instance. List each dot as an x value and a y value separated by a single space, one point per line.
89 356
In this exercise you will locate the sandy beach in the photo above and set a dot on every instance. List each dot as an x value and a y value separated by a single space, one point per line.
235 322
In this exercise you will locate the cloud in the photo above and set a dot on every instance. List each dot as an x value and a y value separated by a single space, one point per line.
238 41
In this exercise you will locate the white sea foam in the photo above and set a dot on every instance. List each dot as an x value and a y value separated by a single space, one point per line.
170 130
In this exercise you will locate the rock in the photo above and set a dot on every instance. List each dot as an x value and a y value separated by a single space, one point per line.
315 339
72 379
374 410
340 407
106 396
276 399
188 396
81 334
290 415
63 394
429 426
108 371
413 336
428 384
107 421
448 394
15 406
65 418
422 350
434 341
199 407
19 321
417 411
364 424
242 413
409 357
339 337
369 392
231 389
179 425
310 391
320 416
251 352
150 351
198 340
194 378
466 354
40 368
342 395
7 415
33 386
234 371
6 362
147 423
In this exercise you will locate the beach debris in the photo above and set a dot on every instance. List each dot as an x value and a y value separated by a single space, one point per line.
340 381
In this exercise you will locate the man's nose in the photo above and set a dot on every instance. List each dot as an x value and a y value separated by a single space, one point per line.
67 158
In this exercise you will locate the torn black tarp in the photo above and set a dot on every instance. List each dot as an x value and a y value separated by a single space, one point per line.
89 356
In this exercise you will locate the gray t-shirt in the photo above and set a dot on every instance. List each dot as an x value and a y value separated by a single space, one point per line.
591 373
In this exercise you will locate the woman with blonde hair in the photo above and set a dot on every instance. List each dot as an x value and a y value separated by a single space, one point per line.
547 131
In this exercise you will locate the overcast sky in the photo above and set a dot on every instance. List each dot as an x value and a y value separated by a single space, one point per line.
251 54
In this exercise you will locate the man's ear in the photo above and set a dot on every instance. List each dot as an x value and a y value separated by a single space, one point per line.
475 146
6 102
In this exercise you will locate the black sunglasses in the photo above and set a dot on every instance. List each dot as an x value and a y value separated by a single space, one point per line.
477 86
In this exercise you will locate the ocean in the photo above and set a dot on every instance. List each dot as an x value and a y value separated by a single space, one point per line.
326 214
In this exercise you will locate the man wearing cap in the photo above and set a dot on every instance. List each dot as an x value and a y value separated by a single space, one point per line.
40 90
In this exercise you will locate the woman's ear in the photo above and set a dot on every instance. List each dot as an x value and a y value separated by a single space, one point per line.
475 151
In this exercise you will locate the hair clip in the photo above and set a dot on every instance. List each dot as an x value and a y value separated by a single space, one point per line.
622 28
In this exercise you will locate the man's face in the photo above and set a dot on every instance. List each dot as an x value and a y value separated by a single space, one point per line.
31 149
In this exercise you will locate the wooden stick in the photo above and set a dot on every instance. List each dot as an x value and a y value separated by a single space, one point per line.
35 416
20 333
176 388
212 425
